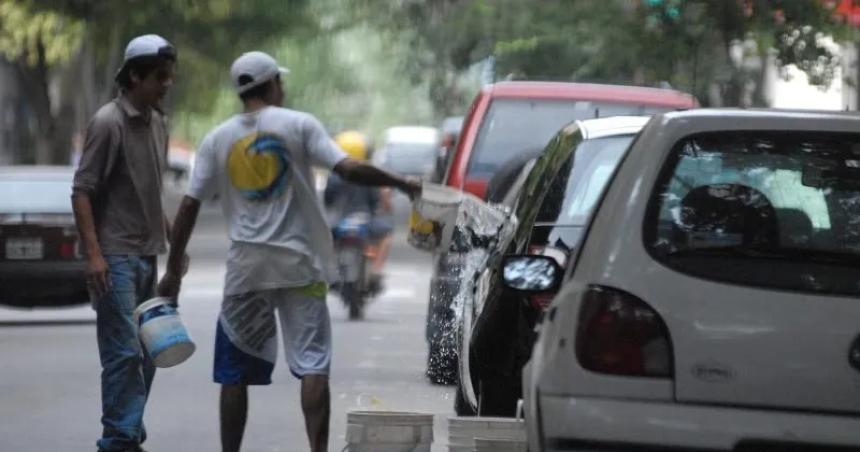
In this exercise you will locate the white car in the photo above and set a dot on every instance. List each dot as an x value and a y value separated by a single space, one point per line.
409 150
714 302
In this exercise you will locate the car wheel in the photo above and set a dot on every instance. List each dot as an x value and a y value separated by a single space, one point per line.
498 396
461 406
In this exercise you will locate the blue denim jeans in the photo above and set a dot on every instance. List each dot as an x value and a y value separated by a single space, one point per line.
127 371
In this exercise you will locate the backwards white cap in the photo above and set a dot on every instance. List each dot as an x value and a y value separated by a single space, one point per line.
253 69
147 45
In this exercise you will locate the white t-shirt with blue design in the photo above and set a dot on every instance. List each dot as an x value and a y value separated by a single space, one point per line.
259 164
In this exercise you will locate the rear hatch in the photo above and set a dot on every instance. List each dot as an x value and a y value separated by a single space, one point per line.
749 348
759 237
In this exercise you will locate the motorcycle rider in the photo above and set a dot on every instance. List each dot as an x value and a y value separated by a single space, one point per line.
344 199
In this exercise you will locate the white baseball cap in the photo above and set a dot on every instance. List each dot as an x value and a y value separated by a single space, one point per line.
147 45
253 69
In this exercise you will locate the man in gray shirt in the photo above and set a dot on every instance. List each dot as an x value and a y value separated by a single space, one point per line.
116 198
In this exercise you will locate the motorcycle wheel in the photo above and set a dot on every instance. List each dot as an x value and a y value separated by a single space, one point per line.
354 300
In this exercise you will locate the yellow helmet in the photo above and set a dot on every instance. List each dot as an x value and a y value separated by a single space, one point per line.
353 143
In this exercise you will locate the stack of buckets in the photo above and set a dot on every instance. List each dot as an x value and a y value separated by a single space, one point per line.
392 431
485 434
388 431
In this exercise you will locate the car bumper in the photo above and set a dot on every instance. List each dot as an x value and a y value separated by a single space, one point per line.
580 423
43 283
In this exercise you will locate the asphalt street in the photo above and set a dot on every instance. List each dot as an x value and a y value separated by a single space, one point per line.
49 383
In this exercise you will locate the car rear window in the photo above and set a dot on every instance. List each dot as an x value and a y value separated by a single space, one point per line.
777 210
516 126
581 180
36 196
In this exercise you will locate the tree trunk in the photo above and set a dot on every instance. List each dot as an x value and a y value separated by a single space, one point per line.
35 84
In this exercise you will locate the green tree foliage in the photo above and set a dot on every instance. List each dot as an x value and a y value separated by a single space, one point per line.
689 44
81 43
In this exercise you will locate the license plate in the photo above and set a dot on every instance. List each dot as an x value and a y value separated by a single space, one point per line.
24 248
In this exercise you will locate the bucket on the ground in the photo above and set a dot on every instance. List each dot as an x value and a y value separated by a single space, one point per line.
388 431
434 215
464 430
162 332
500 445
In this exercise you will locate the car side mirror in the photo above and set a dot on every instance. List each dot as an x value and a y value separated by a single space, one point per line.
530 273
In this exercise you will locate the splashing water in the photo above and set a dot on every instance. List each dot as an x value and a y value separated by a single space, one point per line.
480 232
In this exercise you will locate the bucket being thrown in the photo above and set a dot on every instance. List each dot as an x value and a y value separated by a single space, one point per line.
434 216
388 431
162 332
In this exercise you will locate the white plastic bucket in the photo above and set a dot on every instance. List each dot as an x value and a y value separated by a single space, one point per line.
162 332
388 431
434 216
463 431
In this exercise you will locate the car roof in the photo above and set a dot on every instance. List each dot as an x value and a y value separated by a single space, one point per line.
593 92
36 172
612 126
717 119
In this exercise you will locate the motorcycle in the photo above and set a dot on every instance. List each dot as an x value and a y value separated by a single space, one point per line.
352 244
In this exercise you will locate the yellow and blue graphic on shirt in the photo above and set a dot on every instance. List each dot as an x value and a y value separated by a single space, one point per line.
258 166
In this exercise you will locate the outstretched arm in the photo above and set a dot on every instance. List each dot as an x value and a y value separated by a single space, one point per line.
183 226
361 173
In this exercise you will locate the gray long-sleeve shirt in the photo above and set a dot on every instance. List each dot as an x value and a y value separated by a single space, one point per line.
124 156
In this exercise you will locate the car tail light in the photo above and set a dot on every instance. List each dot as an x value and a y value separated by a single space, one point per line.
620 334
67 250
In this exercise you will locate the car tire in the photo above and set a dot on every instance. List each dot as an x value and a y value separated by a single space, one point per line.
498 396
461 405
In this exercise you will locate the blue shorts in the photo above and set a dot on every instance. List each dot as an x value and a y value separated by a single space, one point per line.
246 344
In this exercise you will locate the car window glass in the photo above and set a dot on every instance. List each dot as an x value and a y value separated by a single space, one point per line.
40 196
515 126
754 208
576 188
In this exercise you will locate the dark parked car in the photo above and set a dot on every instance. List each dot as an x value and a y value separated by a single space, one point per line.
41 263
551 209
508 120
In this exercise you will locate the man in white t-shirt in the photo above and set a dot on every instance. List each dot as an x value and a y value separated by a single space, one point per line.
281 257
